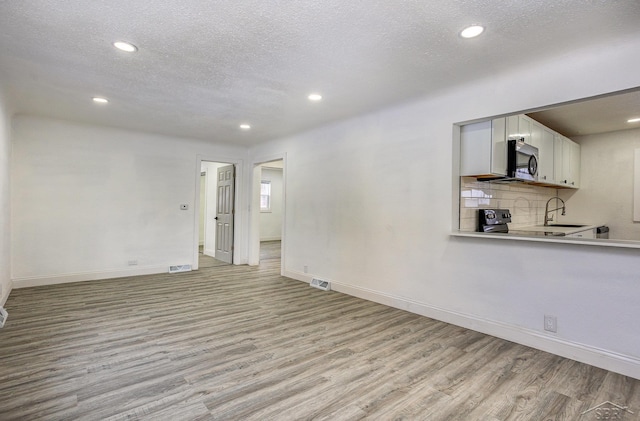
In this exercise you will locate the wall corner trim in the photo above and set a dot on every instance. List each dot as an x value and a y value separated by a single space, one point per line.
5 297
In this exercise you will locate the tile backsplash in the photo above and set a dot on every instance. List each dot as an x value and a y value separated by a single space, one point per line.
526 202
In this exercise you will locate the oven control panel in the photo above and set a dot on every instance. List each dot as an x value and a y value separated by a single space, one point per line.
493 220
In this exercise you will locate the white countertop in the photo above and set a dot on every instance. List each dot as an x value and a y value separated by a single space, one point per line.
557 229
599 242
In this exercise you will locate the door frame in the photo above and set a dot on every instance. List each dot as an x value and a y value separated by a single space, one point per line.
239 256
254 219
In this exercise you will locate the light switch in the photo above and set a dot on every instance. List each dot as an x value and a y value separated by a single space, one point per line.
184 207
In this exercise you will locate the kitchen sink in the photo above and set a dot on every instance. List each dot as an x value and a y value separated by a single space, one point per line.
566 225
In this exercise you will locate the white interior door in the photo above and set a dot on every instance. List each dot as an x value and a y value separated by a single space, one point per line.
224 214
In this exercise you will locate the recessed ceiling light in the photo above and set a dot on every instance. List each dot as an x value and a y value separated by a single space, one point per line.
125 46
633 120
472 31
100 100
315 97
245 126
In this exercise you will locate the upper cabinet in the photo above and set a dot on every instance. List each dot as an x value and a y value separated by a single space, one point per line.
570 159
558 163
519 127
575 164
483 150
544 139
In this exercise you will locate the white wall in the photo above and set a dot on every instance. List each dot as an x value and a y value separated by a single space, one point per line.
369 207
87 200
271 222
5 209
606 184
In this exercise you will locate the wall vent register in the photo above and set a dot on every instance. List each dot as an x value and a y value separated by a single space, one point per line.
320 284
179 268
3 316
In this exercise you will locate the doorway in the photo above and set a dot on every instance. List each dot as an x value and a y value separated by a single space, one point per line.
268 200
216 214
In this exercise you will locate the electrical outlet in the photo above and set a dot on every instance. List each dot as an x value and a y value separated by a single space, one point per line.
550 323
306 269
132 262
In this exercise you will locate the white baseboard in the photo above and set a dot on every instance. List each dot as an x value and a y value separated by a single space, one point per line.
86 276
209 252
270 239
619 363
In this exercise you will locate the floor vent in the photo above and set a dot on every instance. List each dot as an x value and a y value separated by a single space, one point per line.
3 316
179 268
320 284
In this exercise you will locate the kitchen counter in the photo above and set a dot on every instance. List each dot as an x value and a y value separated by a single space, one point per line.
540 237
552 230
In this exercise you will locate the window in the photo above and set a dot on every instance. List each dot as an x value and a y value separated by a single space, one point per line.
265 196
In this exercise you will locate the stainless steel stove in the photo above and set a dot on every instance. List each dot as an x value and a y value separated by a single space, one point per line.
493 220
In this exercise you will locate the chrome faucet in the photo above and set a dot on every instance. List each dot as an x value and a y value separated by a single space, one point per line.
548 218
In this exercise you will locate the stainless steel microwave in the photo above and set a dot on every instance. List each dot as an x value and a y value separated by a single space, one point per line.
522 160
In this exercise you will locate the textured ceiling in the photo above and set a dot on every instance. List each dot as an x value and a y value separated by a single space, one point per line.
203 67
599 115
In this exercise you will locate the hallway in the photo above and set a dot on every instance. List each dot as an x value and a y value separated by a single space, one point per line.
269 250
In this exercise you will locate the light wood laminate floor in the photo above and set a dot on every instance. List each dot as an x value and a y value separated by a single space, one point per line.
243 343
269 250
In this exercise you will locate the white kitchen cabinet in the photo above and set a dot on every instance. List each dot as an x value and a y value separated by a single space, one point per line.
590 233
512 126
558 157
525 124
566 161
543 139
519 127
575 165
483 149
570 169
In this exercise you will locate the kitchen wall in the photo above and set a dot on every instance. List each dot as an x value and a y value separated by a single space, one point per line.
271 222
86 200
605 196
370 206
5 209
526 202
